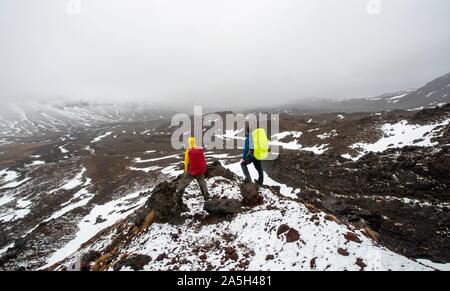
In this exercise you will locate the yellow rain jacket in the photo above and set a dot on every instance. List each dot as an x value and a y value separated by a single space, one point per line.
191 142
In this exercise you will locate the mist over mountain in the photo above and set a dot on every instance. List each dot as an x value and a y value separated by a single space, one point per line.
252 53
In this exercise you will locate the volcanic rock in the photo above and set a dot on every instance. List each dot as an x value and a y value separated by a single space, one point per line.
292 235
361 264
343 252
162 203
216 169
282 229
250 194
350 236
222 207
135 262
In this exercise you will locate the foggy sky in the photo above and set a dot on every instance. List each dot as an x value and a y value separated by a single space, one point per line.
219 52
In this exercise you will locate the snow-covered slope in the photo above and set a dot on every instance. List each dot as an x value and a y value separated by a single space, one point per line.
279 234
60 193
435 93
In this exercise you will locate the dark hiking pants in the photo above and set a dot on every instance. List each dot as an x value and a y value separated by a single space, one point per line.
258 165
187 179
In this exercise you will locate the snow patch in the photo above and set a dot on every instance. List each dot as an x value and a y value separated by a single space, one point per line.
416 109
100 137
75 182
110 213
172 171
5 249
14 184
8 176
318 150
327 135
139 160
148 169
63 150
89 149
399 135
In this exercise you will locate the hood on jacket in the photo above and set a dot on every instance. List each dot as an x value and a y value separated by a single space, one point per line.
191 142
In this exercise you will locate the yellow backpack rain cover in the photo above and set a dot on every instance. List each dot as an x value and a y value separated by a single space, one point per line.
260 143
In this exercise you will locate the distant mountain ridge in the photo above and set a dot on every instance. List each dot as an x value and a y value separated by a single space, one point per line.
26 118
433 94
35 117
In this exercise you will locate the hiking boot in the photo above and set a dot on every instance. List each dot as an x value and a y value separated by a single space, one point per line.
258 183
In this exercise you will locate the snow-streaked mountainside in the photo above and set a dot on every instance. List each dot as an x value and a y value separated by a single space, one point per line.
37 117
27 118
434 94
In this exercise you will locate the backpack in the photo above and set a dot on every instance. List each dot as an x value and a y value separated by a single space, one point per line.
260 144
197 162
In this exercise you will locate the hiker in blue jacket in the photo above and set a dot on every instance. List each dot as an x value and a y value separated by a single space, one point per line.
248 158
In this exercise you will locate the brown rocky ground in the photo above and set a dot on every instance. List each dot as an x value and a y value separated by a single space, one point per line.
402 195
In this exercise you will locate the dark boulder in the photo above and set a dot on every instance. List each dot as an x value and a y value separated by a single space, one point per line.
99 220
282 229
216 169
350 236
292 235
250 194
135 262
162 203
87 259
223 207
343 252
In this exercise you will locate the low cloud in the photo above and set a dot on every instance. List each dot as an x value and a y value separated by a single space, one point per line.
213 52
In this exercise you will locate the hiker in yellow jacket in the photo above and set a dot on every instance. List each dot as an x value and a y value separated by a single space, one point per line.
191 142
194 169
